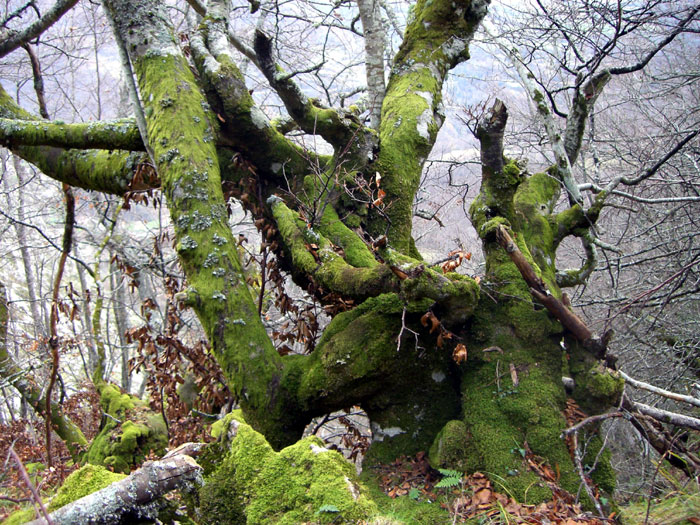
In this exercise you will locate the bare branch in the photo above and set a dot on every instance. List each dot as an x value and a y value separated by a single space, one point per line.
198 6
36 498
657 165
665 416
644 61
660 391
17 39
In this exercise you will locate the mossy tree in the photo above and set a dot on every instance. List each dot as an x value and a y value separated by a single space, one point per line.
341 225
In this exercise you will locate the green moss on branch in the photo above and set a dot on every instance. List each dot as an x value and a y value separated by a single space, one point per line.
110 135
99 170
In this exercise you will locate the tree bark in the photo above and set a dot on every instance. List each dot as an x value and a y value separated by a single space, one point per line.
371 17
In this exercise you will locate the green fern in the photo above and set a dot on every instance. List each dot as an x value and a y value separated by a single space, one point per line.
452 478
328 508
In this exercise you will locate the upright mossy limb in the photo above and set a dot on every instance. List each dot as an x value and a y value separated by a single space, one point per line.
436 40
253 484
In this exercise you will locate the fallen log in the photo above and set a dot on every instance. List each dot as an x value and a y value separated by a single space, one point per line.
132 498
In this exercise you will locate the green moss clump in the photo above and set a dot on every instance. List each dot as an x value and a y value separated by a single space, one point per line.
82 482
605 383
255 484
598 388
19 517
402 510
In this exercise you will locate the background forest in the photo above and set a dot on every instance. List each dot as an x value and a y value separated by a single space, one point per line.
602 95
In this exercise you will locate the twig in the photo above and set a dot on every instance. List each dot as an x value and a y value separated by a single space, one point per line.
407 329
651 487
593 419
14 500
582 475
53 326
30 485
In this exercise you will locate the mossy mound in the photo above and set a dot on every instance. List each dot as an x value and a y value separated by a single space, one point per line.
82 482
129 433
402 510
678 509
450 447
303 483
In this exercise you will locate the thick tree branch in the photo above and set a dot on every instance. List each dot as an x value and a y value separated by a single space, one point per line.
100 170
110 135
180 132
17 39
583 102
578 276
490 131
245 126
315 255
338 129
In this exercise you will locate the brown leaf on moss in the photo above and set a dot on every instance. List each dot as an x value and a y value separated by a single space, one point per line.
459 354
429 317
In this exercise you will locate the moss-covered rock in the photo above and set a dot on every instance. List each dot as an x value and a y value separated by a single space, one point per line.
302 483
449 450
